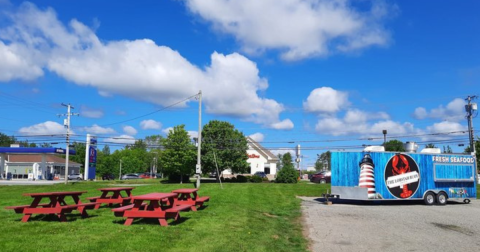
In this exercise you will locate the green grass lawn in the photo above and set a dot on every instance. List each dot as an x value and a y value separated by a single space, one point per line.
239 217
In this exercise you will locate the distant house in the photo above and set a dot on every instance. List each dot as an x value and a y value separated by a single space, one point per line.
261 159
20 165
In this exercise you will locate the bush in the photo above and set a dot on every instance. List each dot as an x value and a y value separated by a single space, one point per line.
175 178
256 179
287 175
242 179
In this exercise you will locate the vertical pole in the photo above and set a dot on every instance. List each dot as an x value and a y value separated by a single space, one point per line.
469 111
384 137
68 144
120 173
199 148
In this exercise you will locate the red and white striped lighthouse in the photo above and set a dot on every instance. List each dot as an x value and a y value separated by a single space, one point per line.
367 177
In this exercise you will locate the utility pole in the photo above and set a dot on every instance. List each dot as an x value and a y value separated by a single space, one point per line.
66 123
198 169
384 137
470 108
120 174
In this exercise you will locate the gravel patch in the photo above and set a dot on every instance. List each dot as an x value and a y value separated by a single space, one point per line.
390 226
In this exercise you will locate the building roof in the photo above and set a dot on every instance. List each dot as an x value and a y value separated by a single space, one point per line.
260 149
36 158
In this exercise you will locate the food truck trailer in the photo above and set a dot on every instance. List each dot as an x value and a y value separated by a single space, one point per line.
377 175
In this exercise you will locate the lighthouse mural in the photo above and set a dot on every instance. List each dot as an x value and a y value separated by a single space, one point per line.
367 176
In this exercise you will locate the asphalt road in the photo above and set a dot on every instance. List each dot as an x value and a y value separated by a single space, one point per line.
391 227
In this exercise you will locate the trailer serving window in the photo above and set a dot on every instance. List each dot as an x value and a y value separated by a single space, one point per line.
454 173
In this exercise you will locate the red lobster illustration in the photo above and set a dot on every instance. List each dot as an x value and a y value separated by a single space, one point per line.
401 166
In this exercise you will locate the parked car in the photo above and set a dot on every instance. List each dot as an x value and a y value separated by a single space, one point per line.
108 176
321 177
261 174
75 177
130 176
212 174
147 175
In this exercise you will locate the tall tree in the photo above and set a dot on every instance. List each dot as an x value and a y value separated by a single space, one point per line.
179 156
5 140
287 160
79 157
154 142
394 145
287 174
225 146
139 144
447 149
106 150
323 161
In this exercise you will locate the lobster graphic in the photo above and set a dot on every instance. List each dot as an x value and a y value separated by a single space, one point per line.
400 166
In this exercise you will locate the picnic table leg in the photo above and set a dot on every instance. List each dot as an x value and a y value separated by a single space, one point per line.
26 217
62 217
128 222
162 222
83 211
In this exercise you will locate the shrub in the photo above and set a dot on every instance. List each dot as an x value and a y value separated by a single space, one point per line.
287 175
256 179
241 179
175 178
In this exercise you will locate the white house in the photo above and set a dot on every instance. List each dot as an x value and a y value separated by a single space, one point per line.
260 159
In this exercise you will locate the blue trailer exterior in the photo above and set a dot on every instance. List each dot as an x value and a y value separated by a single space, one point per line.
405 175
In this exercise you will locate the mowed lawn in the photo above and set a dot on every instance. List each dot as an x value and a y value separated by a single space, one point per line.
239 217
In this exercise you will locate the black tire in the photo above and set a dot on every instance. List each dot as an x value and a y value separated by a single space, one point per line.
323 181
442 198
466 201
429 198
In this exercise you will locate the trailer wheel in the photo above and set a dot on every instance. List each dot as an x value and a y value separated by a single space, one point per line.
429 198
442 198
323 181
466 201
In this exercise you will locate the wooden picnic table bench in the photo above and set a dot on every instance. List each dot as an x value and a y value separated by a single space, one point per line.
113 195
56 205
154 209
189 196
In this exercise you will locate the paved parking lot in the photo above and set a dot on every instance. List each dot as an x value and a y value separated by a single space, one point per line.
391 227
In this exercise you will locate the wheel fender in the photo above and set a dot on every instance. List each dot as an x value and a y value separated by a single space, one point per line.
435 191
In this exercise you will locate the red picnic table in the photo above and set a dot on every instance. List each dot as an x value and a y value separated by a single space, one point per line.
56 205
116 196
155 209
189 197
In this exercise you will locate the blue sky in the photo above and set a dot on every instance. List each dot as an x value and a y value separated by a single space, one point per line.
326 75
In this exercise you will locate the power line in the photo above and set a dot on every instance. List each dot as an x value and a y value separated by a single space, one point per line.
156 111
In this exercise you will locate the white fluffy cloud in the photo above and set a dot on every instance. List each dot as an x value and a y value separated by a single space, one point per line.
129 130
420 113
138 69
257 137
150 124
454 111
340 126
45 128
326 100
96 129
298 29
